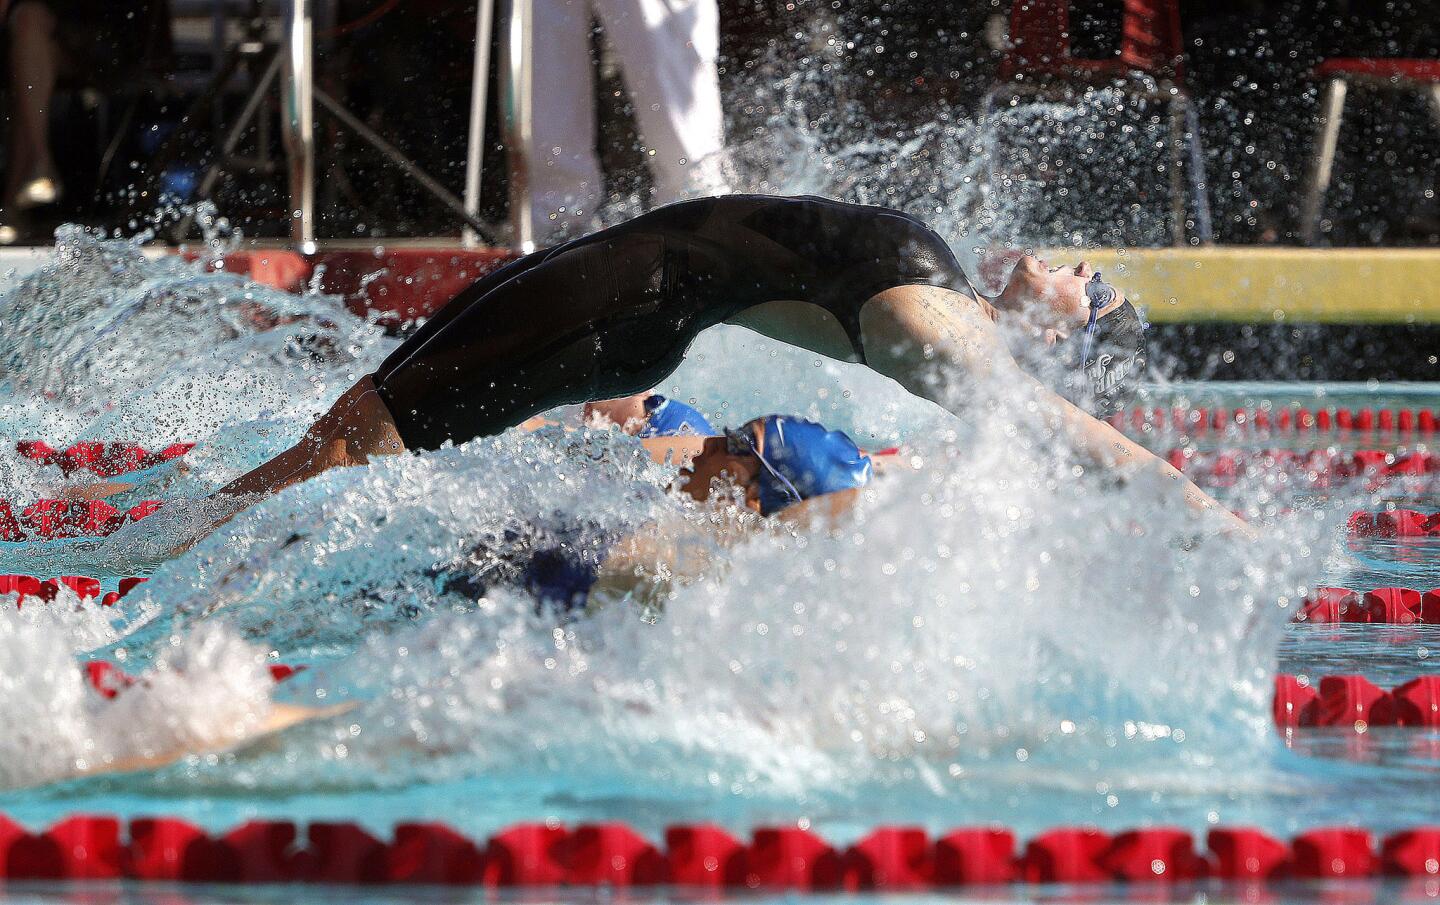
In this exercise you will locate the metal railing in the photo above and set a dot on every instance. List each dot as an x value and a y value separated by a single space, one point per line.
297 110
299 96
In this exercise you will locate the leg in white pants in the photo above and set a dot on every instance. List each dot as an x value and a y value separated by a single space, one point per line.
667 51
564 169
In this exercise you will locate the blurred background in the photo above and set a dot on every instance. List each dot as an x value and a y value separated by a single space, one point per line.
152 96
1260 176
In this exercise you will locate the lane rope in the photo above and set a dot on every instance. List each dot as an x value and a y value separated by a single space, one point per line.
1394 523
898 858
1286 419
107 460
1350 702
1354 702
55 519
1380 606
28 588
1318 468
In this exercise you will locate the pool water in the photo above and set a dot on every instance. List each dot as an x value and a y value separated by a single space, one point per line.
998 635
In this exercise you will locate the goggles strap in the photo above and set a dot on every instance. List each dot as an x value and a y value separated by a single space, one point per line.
1098 294
733 436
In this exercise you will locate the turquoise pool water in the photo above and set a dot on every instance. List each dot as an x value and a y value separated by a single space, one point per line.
996 637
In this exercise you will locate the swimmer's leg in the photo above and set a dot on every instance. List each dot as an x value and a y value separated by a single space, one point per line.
357 428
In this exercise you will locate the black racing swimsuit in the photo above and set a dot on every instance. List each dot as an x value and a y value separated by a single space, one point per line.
612 313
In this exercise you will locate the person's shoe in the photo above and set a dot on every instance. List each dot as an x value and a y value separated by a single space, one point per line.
38 192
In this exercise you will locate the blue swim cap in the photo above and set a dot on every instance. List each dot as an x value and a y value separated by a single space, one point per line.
804 460
669 418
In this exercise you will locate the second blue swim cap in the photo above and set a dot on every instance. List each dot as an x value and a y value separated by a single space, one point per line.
806 460
669 418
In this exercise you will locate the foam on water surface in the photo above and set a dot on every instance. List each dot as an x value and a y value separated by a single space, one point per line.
997 634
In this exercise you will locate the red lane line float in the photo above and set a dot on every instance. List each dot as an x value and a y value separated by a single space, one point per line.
1355 702
1290 419
1319 468
53 519
1391 523
107 460
1389 606
1344 701
108 680
89 847
45 590
395 284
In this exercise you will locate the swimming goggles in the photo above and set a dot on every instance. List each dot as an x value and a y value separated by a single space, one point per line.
1098 294
740 442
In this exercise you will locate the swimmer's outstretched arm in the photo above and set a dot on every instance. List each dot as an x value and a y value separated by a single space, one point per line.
356 429
916 334
280 718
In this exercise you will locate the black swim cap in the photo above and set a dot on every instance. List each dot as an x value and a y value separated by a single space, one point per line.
1108 379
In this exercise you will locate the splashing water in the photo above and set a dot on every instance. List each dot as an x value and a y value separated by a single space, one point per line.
997 633
92 331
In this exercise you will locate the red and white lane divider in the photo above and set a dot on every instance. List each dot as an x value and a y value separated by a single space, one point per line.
1281 420
1338 701
1317 468
1390 523
107 460
108 680
1383 606
897 858
28 588
1354 702
53 519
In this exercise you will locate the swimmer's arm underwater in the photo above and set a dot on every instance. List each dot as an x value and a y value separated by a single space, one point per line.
645 566
356 429
675 550
962 338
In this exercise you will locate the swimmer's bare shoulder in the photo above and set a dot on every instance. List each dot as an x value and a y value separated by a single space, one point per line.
909 329
941 302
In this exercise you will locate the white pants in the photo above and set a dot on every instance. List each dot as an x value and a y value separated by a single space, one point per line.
667 51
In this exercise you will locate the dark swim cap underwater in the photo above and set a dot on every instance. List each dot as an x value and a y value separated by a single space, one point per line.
670 418
802 459
1105 363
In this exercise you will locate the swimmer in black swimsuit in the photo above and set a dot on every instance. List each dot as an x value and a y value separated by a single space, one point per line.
613 313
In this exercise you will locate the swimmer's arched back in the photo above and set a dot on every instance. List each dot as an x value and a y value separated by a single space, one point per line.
612 313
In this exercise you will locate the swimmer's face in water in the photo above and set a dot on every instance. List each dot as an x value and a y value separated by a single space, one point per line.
720 465
1051 297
